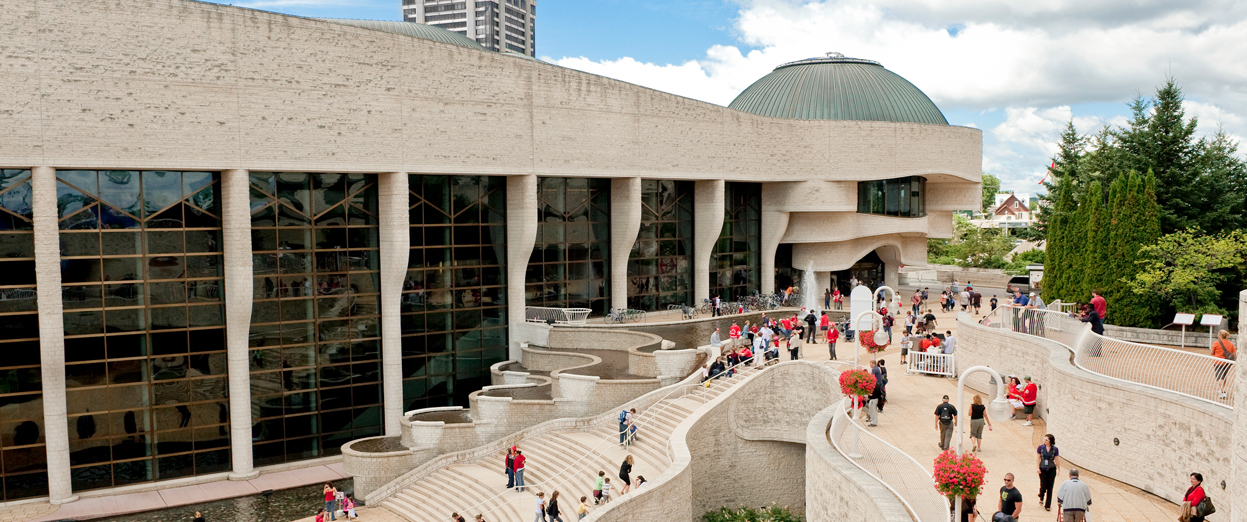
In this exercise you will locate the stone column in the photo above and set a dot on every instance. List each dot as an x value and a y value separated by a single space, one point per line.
395 245
51 333
521 237
625 225
1237 485
774 224
236 242
708 211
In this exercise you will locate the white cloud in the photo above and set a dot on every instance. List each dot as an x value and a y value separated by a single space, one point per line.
1034 60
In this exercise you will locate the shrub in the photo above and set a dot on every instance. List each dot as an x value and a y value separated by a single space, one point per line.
748 514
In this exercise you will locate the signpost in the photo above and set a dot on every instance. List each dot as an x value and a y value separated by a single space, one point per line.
1211 321
1185 320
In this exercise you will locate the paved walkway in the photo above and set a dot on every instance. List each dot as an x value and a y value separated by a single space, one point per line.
908 423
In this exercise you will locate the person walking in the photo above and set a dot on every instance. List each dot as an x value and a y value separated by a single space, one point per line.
1047 459
915 302
623 427
510 467
714 307
883 384
541 507
625 474
552 508
1190 501
977 420
1074 498
1223 349
811 332
833 335
827 299
945 421
794 348
597 488
519 470
1010 498
582 510
905 345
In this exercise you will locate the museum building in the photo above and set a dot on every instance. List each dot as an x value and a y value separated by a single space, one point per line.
232 239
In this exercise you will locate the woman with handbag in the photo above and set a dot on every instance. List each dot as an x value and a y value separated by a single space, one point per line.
1195 504
1223 349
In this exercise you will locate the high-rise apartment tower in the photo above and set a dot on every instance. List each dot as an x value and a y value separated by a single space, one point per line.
503 25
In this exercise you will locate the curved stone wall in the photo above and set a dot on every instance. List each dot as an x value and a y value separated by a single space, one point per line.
1238 451
1146 437
767 438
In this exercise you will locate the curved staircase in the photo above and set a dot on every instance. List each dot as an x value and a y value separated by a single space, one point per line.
564 460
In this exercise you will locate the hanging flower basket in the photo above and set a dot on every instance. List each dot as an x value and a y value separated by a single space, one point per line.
959 476
857 383
868 341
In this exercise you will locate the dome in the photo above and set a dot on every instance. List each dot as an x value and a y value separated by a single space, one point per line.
414 29
837 88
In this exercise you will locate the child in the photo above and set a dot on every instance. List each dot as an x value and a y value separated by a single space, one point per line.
320 515
905 344
597 488
582 510
606 490
348 507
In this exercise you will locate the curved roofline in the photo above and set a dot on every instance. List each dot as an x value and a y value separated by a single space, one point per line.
829 58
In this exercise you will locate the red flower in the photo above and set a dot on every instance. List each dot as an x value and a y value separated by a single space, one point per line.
857 382
959 476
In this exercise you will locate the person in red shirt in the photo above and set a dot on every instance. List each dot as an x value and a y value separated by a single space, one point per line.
733 333
519 470
1194 495
833 335
1030 393
1101 306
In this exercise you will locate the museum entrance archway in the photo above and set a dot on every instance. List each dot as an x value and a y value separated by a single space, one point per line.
868 270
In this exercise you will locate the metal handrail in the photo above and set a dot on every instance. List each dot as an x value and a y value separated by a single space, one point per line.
659 406
1188 374
730 369
927 494
542 314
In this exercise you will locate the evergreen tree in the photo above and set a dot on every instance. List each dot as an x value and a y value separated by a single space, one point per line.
1163 141
1139 226
1095 250
1222 185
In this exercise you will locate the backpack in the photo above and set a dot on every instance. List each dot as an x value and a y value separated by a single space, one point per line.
623 416
946 416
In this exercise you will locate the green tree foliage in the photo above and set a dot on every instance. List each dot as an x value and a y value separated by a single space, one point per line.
970 246
1018 264
1189 182
748 514
991 186
1185 268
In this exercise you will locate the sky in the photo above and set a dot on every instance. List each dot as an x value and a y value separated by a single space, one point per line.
1017 70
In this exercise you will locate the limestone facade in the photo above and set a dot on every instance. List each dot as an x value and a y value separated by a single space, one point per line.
182 85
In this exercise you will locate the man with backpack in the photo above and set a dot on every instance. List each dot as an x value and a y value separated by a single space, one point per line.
945 421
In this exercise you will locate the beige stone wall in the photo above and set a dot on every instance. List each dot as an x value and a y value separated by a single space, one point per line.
1237 491
1162 436
836 489
842 255
824 227
186 85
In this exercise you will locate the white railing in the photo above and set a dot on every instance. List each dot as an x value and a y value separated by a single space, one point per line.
585 462
931 363
900 473
1184 372
556 315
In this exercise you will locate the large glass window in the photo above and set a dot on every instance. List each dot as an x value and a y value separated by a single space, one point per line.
901 197
660 264
454 296
569 266
145 366
736 260
315 323
23 467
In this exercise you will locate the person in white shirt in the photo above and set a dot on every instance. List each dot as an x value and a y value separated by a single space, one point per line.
1074 497
541 508
715 340
950 344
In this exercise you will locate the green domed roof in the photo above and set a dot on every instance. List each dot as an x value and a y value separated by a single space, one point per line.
414 29
837 88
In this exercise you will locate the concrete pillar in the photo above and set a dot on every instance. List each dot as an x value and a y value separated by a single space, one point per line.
51 333
774 224
625 225
236 244
521 237
1236 487
708 211
395 245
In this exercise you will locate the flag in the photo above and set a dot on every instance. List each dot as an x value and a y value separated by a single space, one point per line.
1050 169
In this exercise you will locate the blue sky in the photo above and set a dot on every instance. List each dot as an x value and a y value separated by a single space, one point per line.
1016 70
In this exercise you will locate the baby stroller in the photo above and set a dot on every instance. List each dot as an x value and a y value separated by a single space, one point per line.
1000 516
848 334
